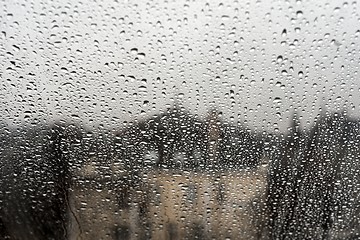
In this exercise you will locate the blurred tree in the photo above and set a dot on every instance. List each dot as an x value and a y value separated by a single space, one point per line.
307 194
36 180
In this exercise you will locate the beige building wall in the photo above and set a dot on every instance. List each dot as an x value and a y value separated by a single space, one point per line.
216 205
96 212
170 205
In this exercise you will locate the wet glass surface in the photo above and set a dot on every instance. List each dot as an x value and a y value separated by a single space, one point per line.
179 120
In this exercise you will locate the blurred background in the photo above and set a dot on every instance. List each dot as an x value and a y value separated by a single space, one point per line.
179 119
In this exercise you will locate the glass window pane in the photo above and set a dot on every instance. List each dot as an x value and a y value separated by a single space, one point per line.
179 119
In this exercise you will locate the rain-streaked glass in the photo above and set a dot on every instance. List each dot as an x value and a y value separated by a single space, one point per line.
179 119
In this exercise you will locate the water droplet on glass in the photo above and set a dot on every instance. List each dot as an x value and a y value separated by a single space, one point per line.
134 51
299 14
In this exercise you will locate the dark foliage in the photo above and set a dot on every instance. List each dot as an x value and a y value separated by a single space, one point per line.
311 191
35 179
178 132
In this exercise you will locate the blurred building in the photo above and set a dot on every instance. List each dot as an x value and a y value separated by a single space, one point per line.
220 205
173 177
170 205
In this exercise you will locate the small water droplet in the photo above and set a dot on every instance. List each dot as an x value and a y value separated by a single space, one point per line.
299 14
277 100
134 51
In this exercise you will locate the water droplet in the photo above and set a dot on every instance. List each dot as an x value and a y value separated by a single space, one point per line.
299 14
134 51
277 100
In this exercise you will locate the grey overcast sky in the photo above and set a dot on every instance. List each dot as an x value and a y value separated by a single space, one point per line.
115 61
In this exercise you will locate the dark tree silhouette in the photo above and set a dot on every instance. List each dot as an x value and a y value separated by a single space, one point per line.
167 133
35 180
307 194
177 131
